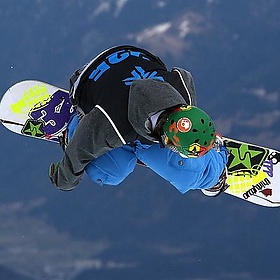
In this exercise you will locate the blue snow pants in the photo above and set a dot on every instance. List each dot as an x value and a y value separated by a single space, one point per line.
183 173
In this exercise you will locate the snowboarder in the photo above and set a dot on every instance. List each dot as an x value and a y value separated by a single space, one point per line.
130 107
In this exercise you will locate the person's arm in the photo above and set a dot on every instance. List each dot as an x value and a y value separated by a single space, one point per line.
184 83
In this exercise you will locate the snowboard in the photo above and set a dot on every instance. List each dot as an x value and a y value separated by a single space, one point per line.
40 110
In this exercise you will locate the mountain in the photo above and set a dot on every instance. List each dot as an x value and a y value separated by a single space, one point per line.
144 228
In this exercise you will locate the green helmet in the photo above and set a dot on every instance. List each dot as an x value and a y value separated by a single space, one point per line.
189 131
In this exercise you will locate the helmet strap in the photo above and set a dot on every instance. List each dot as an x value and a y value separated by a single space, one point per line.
162 119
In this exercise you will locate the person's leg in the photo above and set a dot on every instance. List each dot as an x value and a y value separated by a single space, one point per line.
113 167
110 168
184 173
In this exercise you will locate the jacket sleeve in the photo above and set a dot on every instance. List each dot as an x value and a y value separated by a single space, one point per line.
93 137
187 87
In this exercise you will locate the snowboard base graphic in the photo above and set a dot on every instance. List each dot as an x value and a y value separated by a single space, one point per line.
37 109
253 173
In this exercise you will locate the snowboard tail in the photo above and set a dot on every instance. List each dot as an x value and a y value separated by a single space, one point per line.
253 173
36 109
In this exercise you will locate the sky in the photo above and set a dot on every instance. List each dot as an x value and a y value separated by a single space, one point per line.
143 228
